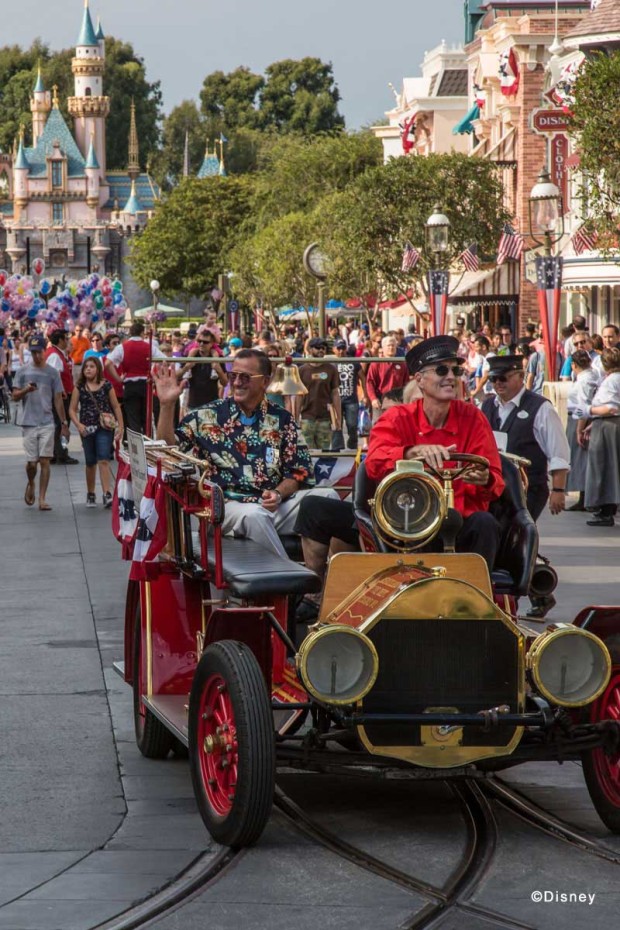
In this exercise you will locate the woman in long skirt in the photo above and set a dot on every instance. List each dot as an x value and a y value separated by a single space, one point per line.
583 388
603 468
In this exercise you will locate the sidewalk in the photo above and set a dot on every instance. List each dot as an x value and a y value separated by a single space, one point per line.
87 826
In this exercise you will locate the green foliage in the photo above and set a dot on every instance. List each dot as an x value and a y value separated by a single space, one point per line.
167 163
296 172
124 78
268 267
595 121
188 241
384 208
300 96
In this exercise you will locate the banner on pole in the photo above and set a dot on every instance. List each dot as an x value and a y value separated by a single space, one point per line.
438 300
549 284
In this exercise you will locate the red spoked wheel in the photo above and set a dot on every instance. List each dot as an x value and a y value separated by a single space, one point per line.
231 744
153 739
602 770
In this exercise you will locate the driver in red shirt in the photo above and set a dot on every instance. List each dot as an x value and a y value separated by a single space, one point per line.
431 429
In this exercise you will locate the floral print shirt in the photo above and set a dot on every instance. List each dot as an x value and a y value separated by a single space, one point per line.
246 459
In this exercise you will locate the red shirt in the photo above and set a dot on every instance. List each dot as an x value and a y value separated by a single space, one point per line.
383 377
466 427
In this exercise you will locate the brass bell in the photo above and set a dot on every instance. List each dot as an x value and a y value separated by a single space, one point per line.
287 381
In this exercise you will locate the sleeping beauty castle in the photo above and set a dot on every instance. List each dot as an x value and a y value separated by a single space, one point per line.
58 201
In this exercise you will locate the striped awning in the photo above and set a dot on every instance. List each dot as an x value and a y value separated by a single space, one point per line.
503 152
499 285
593 271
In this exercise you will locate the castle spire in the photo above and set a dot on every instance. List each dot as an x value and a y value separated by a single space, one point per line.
133 167
21 162
87 35
39 87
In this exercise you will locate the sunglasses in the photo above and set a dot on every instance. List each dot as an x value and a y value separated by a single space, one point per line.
241 377
443 370
96 339
204 342
501 378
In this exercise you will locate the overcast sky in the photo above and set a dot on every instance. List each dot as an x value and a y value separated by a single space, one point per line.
369 42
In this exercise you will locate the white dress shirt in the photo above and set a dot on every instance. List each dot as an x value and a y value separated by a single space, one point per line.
548 431
581 392
608 392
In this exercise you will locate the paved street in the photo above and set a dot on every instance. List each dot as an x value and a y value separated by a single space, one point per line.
87 826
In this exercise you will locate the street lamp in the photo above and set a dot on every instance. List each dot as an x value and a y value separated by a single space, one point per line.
437 233
545 210
154 285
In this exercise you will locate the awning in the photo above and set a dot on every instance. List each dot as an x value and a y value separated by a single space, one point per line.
499 285
169 311
503 152
465 125
590 272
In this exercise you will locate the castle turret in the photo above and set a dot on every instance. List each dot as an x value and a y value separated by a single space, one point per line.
21 170
92 176
100 38
40 105
89 107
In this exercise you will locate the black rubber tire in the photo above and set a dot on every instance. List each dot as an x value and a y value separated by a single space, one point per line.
236 664
153 739
594 760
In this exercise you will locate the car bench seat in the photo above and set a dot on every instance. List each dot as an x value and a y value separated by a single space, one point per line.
250 570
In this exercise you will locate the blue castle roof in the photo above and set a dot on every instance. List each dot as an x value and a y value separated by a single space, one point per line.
210 166
87 33
22 161
133 205
91 161
39 87
56 130
100 33
147 191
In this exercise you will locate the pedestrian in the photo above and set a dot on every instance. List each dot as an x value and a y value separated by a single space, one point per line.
322 383
534 365
351 378
533 430
581 392
382 377
78 345
57 357
603 469
133 355
609 334
38 389
204 378
507 345
95 411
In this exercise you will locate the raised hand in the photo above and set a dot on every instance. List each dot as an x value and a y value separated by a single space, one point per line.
166 384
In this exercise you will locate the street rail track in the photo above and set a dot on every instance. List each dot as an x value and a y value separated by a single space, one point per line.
461 885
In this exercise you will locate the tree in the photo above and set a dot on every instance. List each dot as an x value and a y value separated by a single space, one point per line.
300 96
230 101
297 171
167 163
595 123
188 241
386 207
268 266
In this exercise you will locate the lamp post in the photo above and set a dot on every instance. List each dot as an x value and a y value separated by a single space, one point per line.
438 243
154 285
545 210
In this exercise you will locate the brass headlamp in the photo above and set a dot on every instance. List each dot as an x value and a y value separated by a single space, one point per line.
409 507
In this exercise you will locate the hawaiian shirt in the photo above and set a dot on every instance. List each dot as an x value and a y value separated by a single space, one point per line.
246 459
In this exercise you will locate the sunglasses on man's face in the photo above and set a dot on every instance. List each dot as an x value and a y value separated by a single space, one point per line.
204 342
443 370
241 377
501 378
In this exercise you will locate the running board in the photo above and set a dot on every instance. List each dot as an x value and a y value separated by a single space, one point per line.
172 711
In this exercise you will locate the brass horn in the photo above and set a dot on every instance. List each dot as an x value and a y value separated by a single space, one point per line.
287 381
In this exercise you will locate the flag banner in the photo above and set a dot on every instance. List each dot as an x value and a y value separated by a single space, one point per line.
330 471
470 257
124 516
259 319
407 134
549 284
508 73
584 241
151 532
411 257
511 245
480 96
233 321
438 300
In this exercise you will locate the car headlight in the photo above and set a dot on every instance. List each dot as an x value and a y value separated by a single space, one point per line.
338 664
409 507
569 666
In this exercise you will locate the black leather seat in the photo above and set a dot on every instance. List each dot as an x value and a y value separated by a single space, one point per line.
251 571
363 491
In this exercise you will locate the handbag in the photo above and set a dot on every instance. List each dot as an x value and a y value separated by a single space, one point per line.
107 420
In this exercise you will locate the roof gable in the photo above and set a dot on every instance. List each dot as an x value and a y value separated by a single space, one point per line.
56 130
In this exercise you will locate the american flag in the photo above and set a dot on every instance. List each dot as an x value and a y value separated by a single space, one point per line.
511 245
549 285
584 241
411 257
438 300
407 134
151 531
470 257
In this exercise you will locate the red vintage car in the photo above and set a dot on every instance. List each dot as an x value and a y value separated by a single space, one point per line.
417 659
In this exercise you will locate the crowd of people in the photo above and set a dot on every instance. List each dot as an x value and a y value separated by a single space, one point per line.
97 381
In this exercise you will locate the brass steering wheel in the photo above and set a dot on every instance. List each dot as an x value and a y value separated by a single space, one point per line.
448 473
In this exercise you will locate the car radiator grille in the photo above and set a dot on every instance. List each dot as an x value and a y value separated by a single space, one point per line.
469 665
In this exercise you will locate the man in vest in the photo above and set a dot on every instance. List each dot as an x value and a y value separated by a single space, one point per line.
56 356
133 356
528 425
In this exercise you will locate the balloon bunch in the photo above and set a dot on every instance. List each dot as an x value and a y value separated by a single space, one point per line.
91 301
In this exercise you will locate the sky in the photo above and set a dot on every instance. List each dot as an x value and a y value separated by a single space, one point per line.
369 43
